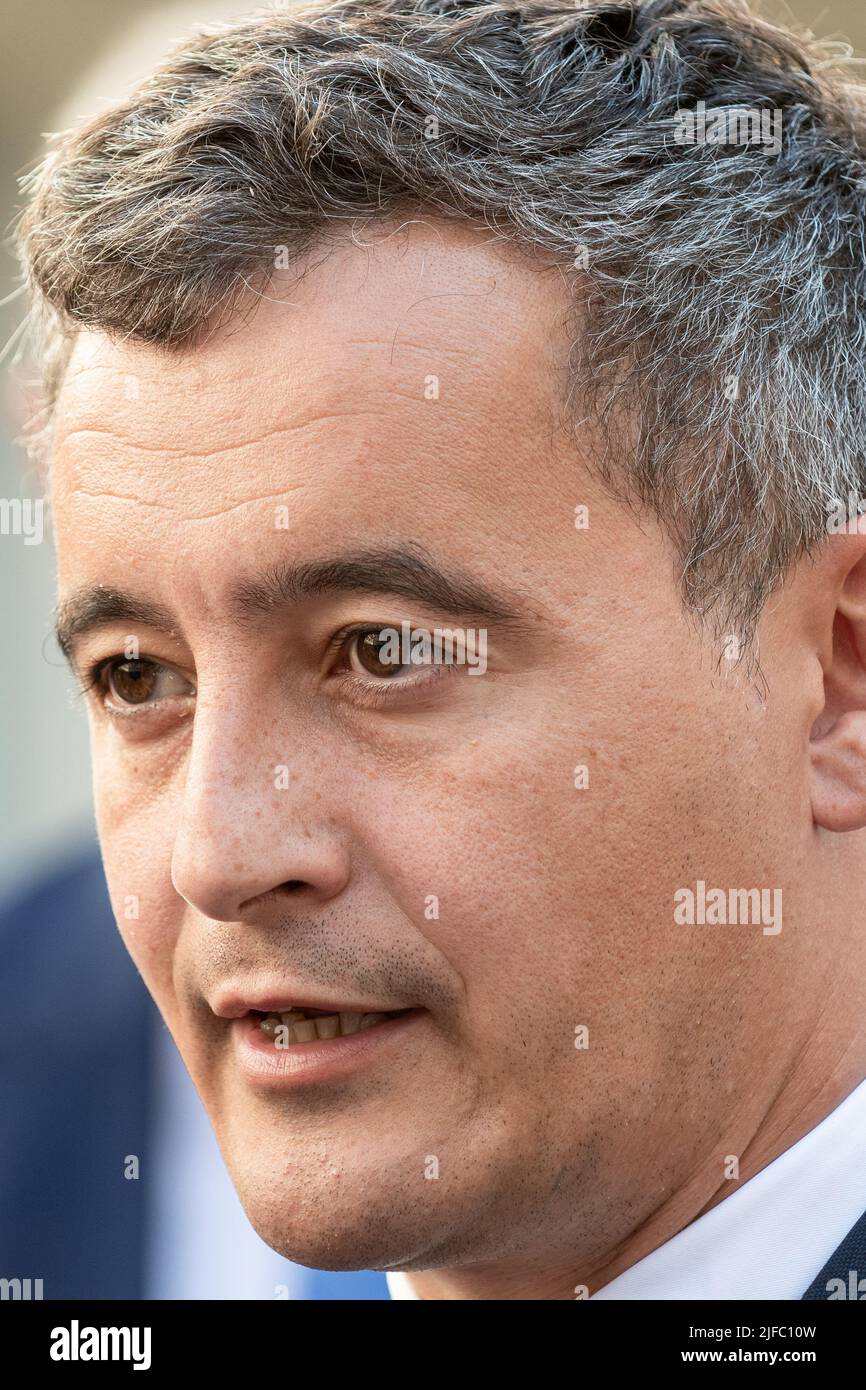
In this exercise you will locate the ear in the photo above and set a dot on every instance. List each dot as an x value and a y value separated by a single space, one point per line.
838 736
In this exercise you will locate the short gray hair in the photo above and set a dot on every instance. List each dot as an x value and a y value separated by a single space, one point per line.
718 289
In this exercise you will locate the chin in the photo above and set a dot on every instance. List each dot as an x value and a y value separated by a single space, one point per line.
343 1221
350 1240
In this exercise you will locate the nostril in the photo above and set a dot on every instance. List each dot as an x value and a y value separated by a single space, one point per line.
292 885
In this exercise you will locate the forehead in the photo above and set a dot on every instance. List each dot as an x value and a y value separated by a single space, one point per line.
423 367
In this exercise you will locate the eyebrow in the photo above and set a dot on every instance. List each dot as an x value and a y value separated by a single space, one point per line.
405 572
95 606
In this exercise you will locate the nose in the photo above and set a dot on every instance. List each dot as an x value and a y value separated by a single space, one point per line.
255 820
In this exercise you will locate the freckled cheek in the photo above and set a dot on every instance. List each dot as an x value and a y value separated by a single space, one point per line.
137 837
487 857
446 847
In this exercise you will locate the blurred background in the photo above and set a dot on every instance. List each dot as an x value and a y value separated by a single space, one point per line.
68 1214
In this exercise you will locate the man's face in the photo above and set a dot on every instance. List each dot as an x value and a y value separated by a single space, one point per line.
284 822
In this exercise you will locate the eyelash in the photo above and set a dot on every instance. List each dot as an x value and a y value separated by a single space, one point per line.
374 694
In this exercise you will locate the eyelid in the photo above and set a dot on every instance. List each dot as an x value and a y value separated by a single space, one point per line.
345 634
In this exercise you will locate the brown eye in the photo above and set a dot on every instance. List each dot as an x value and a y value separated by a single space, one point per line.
132 682
377 653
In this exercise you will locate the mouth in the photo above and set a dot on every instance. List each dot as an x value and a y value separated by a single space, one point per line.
293 1027
291 1045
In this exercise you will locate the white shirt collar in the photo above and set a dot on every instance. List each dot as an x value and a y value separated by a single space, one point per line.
770 1237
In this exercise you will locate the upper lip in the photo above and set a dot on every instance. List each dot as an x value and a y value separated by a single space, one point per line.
234 1003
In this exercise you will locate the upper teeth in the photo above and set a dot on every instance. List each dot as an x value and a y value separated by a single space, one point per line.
295 1027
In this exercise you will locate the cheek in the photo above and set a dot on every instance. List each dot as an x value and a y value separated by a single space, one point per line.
136 836
485 850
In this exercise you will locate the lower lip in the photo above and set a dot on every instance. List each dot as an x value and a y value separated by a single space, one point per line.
267 1066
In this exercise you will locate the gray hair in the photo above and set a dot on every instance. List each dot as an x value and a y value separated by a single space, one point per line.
718 289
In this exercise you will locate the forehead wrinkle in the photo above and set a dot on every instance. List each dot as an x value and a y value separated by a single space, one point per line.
181 451
281 493
323 415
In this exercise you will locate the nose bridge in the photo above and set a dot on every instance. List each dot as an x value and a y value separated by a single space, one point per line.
254 814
